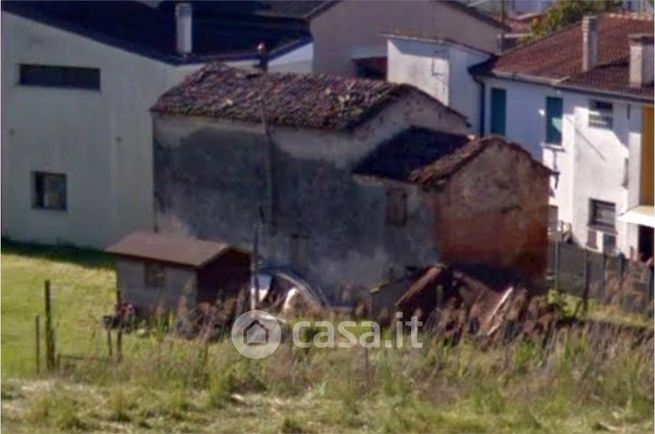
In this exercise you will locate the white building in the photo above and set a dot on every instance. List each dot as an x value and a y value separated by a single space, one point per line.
439 67
581 100
78 81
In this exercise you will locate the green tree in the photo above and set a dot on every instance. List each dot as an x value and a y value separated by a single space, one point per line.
566 12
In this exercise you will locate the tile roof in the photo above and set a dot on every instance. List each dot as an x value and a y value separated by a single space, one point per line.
408 151
168 248
557 58
446 166
221 30
301 100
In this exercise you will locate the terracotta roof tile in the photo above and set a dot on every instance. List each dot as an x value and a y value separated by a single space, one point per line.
448 165
559 56
312 101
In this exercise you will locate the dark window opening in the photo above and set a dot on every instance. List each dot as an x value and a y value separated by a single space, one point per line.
59 76
554 107
602 215
396 206
372 72
155 275
646 241
609 243
49 191
498 110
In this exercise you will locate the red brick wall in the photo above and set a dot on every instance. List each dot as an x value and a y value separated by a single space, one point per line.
495 211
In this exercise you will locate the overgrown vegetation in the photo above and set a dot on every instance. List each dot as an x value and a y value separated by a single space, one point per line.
577 380
567 12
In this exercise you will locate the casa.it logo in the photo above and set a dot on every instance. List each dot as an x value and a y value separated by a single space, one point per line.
256 334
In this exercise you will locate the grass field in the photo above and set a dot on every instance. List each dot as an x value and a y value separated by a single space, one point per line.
580 382
83 288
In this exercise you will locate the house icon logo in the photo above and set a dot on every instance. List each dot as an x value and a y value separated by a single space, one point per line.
256 334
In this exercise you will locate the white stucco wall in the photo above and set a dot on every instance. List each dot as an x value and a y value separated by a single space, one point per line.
591 161
351 27
439 68
101 140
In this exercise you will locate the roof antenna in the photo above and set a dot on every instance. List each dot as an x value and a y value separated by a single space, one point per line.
262 54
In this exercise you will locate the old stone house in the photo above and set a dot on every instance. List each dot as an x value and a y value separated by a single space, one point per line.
487 198
238 150
335 176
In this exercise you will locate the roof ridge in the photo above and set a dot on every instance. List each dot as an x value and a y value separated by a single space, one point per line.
541 39
302 100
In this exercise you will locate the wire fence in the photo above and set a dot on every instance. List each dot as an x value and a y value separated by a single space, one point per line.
607 279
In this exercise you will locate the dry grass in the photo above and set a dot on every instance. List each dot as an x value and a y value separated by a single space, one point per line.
580 379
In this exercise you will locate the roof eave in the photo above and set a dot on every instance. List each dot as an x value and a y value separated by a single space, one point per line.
558 83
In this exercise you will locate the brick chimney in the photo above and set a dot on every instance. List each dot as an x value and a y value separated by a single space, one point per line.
589 42
184 28
641 60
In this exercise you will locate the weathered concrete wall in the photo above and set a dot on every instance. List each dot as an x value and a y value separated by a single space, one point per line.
495 211
179 287
210 182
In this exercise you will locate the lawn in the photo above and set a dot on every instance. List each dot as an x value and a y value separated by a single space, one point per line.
83 289
578 381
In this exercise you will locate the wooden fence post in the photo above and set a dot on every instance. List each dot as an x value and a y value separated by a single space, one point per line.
49 332
119 343
557 259
585 293
601 294
651 283
37 322
621 270
109 341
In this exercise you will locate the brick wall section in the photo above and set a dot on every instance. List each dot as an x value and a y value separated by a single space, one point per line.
495 211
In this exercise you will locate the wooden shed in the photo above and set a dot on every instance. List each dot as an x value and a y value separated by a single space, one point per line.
163 273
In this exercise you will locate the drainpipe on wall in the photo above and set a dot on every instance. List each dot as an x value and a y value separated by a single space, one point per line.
482 105
270 147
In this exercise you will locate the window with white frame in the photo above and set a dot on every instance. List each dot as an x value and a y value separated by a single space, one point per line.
601 114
